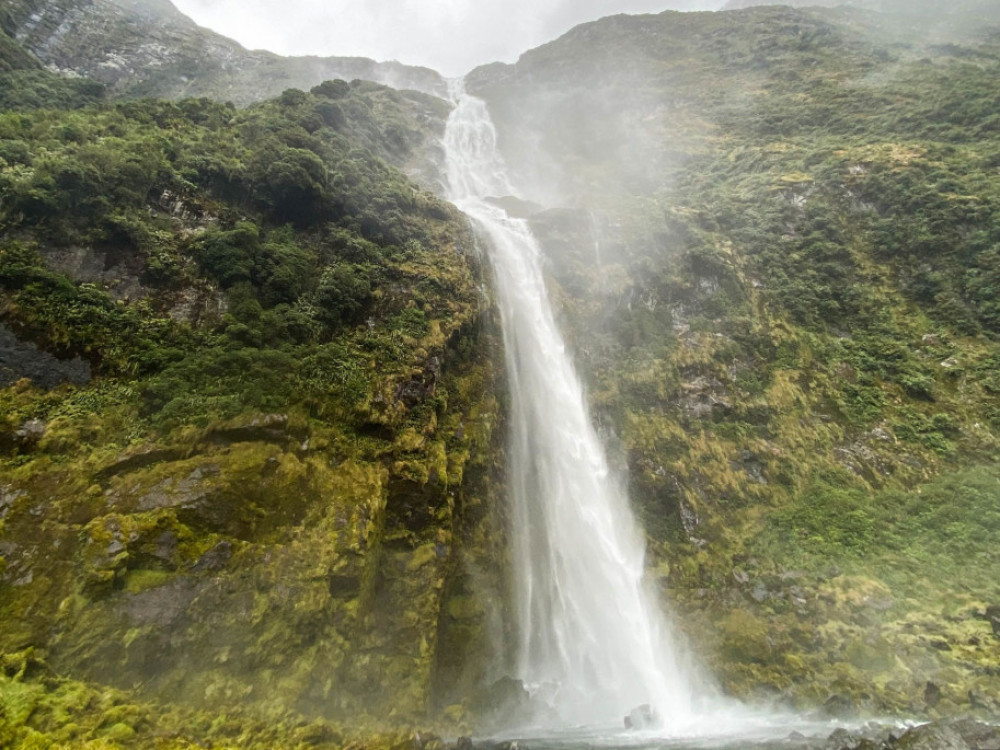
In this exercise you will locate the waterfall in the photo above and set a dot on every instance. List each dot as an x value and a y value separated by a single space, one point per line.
592 641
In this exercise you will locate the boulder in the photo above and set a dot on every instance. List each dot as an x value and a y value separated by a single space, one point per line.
840 738
641 717
934 736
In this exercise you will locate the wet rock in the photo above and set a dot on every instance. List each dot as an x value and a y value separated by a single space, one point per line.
215 559
166 545
21 359
840 738
162 606
704 398
15 568
752 465
840 707
932 694
115 548
24 580
934 736
689 518
871 736
116 270
171 494
343 586
641 717
189 493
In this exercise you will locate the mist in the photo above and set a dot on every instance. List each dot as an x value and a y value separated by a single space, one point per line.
450 36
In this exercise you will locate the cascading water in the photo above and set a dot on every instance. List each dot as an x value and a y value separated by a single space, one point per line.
592 641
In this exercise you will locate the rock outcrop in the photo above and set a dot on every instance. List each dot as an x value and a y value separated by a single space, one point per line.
146 48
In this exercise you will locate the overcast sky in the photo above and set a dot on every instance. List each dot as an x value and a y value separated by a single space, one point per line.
451 36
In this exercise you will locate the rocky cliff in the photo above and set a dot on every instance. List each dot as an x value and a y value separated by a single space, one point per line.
772 232
145 48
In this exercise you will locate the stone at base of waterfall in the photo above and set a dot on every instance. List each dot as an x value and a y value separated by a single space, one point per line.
643 717
964 734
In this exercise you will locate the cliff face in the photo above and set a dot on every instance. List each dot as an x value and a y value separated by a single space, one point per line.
151 49
772 232
247 413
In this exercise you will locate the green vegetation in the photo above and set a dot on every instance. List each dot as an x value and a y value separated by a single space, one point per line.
273 505
278 474
782 289
42 710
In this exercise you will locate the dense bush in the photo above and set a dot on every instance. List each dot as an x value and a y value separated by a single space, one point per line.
281 211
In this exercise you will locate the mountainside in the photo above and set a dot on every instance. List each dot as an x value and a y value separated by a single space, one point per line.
925 8
251 419
247 417
148 48
773 235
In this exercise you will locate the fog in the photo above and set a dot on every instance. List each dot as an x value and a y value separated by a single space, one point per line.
450 36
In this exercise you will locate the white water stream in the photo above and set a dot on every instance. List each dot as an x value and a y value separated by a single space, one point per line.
592 640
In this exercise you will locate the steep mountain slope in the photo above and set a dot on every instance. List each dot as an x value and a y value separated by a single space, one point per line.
148 48
773 234
246 415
